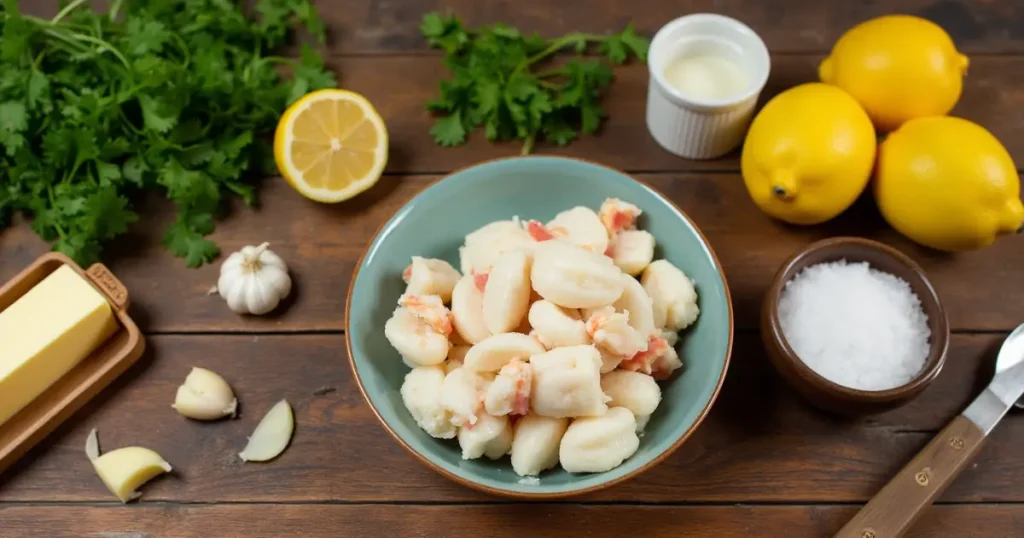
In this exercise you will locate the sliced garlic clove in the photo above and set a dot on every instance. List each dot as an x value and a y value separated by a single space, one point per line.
125 469
92 446
271 435
205 396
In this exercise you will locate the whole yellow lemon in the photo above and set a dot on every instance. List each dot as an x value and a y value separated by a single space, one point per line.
948 184
898 67
808 154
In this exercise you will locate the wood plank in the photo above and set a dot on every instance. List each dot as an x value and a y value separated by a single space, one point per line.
153 520
392 26
760 444
785 25
399 87
981 290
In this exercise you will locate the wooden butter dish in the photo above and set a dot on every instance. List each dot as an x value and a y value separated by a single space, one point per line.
87 378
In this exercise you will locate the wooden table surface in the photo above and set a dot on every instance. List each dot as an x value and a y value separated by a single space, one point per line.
763 464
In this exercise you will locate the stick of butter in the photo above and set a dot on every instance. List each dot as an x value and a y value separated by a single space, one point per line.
45 333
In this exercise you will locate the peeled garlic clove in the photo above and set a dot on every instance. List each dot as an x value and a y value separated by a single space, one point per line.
271 435
205 396
125 469
92 446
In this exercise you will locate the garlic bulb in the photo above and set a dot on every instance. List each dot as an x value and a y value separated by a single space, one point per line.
205 396
254 280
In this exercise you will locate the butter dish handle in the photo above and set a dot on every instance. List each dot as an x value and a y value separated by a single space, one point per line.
107 283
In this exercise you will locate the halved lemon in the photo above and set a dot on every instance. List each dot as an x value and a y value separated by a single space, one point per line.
331 145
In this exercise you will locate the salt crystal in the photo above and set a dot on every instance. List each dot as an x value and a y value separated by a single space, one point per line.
855 325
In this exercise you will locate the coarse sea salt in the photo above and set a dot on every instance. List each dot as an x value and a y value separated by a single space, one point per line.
855 325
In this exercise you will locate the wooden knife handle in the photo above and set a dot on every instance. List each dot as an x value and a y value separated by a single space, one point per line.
902 501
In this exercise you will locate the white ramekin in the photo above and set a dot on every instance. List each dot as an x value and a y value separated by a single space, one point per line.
698 128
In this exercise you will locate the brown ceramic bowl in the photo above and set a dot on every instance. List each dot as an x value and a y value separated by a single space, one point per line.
826 394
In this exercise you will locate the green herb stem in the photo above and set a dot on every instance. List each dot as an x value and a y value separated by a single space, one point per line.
103 45
528 144
53 202
547 84
576 38
493 85
114 9
57 34
67 9
83 131
551 73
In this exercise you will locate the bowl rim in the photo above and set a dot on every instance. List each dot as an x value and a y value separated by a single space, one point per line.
936 354
558 494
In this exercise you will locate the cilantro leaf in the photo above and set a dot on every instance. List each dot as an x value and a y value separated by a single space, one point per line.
17 33
615 50
13 117
13 121
591 121
495 83
174 96
107 173
619 46
276 16
310 74
157 114
448 131
433 26
79 248
186 242
38 91
190 189
133 169
557 129
106 213
446 33
636 44
145 36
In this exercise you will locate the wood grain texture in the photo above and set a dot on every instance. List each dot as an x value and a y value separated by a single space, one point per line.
66 395
759 444
993 96
892 512
153 521
785 26
981 290
392 26
399 87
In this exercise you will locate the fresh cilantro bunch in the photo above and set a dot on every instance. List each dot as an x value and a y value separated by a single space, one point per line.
495 82
173 96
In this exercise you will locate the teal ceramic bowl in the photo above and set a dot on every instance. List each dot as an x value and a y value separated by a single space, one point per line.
434 223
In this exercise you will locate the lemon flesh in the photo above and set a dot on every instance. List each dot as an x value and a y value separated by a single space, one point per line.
331 145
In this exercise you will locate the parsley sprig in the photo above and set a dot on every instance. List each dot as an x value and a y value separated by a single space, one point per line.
172 96
496 84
